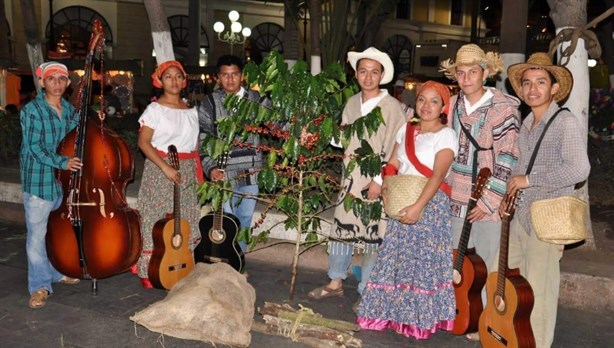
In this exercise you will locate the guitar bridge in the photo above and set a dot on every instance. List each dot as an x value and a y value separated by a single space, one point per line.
177 267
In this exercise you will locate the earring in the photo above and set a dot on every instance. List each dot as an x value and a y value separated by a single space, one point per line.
443 118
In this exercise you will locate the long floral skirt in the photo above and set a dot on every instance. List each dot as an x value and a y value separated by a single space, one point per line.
411 289
156 200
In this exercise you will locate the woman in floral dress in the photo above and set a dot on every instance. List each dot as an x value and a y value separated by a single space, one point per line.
411 289
167 121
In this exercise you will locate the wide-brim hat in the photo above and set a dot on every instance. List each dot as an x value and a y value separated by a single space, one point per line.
377 55
541 60
471 54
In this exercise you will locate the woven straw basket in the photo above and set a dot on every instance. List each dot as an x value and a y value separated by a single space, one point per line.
560 220
401 191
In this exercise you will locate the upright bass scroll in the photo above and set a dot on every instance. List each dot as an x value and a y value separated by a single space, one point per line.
94 234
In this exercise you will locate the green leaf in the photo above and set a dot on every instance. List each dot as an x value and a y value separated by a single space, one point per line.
272 158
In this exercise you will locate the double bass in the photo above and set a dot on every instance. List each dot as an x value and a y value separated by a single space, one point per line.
94 234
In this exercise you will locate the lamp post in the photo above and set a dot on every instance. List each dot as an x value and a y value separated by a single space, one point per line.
237 33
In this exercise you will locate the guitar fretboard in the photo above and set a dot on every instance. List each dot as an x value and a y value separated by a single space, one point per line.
464 239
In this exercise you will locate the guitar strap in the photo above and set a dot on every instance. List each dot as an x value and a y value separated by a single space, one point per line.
474 170
539 141
410 150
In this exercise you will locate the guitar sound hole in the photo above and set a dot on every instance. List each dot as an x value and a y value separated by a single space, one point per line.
499 303
176 241
217 236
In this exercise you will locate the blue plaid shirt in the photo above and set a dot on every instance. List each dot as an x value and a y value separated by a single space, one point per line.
42 130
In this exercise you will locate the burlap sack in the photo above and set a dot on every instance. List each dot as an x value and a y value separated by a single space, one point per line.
214 303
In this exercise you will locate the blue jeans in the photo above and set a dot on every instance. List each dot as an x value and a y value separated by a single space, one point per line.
340 258
40 271
242 207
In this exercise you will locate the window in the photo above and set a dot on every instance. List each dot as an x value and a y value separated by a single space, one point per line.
180 35
266 37
399 48
456 11
72 28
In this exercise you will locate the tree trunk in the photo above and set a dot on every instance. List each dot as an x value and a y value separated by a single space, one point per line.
513 27
572 14
315 17
194 39
291 34
160 31
33 38
4 34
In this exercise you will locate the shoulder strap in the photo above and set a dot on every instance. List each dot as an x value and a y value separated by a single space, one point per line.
474 170
539 141
410 150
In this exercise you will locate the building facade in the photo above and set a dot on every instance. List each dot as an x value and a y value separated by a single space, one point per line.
65 27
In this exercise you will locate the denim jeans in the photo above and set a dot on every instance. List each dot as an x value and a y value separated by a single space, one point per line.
242 207
340 258
40 271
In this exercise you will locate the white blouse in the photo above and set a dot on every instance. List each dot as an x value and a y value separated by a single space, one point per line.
178 127
427 145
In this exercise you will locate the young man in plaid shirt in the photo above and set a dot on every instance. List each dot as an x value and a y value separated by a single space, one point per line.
44 123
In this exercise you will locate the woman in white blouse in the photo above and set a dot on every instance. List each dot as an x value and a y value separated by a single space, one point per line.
411 288
167 121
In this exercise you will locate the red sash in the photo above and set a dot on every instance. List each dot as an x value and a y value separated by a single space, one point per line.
189 155
410 150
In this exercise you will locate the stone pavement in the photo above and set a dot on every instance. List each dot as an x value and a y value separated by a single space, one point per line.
73 318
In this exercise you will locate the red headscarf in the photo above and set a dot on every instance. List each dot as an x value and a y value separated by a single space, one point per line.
157 74
443 92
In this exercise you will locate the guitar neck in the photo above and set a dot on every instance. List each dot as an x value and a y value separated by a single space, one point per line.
464 239
503 253
177 208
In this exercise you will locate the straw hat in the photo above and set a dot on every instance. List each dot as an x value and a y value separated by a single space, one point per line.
471 54
377 55
541 60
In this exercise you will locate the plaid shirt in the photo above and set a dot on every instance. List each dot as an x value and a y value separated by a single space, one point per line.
561 160
493 124
42 130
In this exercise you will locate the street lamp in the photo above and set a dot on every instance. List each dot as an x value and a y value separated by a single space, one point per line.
237 33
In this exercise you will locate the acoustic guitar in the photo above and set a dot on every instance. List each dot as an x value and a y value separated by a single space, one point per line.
171 259
469 270
505 321
219 234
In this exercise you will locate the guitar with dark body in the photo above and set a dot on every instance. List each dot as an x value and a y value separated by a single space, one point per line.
171 259
505 321
219 235
469 270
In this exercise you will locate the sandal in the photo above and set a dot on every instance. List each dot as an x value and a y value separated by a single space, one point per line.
473 337
38 299
69 281
324 292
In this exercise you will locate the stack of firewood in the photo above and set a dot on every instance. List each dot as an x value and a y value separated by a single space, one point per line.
305 326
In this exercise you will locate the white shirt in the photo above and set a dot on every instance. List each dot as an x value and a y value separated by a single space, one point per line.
368 106
178 127
427 145
471 108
